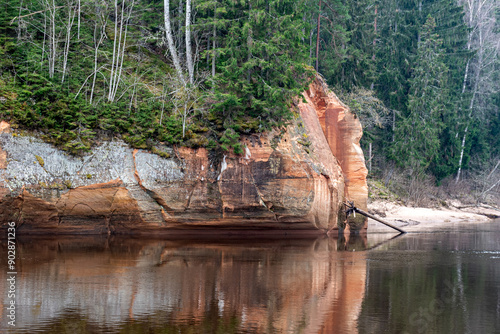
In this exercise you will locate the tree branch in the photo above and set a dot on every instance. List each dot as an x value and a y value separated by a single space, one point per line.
34 13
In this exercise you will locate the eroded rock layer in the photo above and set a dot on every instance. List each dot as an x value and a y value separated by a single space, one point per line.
296 179
343 132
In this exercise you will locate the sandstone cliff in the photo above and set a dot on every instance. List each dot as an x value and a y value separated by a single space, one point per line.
295 179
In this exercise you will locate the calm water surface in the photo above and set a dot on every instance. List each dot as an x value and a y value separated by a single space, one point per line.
446 282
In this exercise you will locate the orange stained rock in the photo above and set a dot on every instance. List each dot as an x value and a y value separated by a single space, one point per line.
343 132
5 127
294 178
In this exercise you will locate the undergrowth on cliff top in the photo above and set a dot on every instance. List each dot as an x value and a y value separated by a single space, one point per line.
105 69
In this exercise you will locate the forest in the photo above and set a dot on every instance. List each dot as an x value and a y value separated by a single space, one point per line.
422 75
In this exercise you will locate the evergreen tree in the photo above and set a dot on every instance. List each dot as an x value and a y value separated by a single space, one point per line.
261 64
417 137
355 65
332 37
397 56
7 39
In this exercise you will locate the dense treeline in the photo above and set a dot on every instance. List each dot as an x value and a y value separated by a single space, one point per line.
423 75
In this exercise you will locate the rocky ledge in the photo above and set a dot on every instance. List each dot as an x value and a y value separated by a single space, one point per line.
293 179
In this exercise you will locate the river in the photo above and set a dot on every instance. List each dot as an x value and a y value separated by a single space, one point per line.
445 282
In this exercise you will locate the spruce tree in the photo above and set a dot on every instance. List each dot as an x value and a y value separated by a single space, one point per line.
417 137
354 66
260 65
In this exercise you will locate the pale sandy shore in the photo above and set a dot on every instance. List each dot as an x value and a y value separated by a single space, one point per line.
410 219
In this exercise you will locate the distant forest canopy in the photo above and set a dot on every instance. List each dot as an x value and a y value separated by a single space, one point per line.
423 76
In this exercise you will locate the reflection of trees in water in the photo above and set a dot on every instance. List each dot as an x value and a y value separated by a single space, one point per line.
433 284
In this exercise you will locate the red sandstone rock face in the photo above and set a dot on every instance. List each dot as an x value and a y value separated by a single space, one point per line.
291 180
343 132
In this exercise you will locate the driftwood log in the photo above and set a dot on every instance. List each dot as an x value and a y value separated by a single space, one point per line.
352 209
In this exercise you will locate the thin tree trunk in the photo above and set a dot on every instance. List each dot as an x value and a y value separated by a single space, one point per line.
119 50
19 21
214 54
493 186
44 39
471 105
189 54
462 149
184 116
96 43
466 74
372 85
170 40
493 170
120 68
375 36
370 157
164 94
96 51
111 77
71 18
318 29
311 46
52 37
249 42
179 37
393 125
79 11
54 42
118 53
116 61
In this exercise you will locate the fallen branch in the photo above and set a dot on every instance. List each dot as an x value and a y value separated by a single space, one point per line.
493 186
351 208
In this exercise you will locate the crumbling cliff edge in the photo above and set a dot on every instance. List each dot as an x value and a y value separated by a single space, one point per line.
293 179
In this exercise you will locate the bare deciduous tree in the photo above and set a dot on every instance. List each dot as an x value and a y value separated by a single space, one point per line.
122 18
67 40
189 54
482 37
170 40
100 8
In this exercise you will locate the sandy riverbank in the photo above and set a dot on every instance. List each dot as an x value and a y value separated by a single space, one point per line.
413 219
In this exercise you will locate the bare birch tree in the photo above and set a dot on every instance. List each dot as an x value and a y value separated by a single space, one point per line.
122 18
99 30
480 18
50 12
170 40
67 40
189 52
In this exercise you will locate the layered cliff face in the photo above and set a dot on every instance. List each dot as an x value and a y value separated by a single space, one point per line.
294 179
343 132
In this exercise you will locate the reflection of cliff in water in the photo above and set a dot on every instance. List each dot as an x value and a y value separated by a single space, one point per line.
285 286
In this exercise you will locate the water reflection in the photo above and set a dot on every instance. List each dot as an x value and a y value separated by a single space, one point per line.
100 285
417 283
435 283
